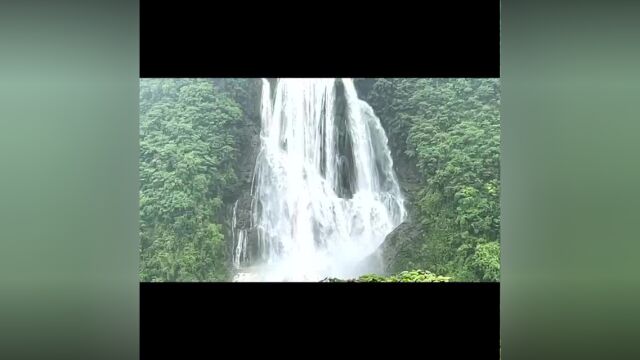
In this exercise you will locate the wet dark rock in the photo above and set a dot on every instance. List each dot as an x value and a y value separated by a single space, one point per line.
248 137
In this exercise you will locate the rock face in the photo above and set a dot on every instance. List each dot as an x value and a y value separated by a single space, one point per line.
398 246
248 135
410 181
393 255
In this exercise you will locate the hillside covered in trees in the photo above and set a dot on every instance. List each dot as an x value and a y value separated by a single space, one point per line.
198 144
444 136
189 139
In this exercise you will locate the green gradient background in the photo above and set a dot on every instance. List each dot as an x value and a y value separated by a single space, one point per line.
69 180
570 176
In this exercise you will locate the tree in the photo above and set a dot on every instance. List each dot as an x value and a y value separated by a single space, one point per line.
450 130
187 154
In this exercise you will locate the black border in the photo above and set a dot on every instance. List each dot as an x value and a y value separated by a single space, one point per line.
319 39
192 320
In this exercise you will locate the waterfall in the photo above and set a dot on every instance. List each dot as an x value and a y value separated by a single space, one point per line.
240 239
324 191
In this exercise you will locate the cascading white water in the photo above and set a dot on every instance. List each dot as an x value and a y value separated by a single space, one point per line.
240 240
325 194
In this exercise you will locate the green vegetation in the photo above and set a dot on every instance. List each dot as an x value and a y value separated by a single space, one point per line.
449 129
404 276
187 153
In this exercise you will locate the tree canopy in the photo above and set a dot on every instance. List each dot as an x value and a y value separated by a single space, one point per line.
450 129
187 153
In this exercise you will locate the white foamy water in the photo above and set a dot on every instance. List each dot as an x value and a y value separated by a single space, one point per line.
325 194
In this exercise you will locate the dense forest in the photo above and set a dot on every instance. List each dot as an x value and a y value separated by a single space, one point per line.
196 137
189 132
445 138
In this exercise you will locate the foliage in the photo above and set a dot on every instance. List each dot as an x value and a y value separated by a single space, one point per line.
404 276
485 262
187 156
450 128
